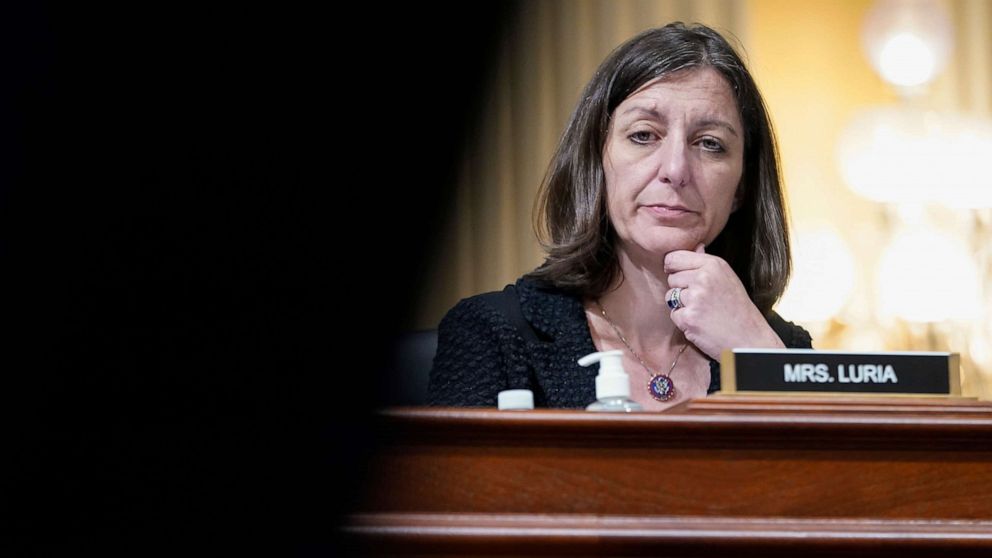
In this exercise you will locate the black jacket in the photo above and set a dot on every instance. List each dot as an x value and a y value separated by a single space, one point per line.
480 352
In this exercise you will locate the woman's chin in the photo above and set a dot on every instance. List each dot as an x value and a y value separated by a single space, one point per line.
672 243
659 248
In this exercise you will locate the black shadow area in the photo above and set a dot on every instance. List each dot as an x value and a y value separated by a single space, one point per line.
210 216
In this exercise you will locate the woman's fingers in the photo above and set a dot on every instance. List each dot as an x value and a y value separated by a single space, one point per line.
681 260
714 310
676 298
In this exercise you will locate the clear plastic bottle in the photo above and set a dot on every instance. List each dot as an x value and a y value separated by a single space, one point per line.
615 405
612 383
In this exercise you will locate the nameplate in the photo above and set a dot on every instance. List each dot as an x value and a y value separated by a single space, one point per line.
811 371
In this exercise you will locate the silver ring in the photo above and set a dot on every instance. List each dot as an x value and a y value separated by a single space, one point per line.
674 300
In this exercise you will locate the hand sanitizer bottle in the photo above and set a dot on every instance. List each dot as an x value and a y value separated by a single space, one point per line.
612 383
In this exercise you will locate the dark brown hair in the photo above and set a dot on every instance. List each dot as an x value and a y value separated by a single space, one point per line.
571 218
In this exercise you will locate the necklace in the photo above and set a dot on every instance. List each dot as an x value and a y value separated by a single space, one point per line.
660 386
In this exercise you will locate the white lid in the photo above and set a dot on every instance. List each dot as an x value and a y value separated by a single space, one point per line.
612 380
515 399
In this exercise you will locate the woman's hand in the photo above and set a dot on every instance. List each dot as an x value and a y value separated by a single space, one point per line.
717 313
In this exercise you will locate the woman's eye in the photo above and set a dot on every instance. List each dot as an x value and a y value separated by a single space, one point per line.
710 144
642 137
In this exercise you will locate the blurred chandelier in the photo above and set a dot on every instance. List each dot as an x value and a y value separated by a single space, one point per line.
909 156
907 153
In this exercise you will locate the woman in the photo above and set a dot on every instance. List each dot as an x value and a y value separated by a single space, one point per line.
665 232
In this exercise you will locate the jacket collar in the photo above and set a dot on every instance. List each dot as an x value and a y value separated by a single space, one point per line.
552 312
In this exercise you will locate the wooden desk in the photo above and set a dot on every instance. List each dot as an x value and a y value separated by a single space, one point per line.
720 476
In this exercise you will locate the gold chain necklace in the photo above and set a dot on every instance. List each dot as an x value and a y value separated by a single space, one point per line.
660 386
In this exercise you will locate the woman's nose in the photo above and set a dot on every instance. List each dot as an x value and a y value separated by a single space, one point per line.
674 167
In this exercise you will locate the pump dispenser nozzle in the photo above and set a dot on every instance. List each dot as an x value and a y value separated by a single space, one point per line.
612 383
612 380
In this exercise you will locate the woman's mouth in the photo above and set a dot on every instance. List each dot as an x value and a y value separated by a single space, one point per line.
666 211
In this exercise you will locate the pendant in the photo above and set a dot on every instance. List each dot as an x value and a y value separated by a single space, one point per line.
661 387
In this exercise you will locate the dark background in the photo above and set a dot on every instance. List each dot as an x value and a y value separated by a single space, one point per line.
211 216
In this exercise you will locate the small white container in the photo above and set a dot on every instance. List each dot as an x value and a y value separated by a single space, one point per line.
515 400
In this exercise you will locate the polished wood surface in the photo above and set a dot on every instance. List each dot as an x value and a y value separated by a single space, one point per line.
741 472
586 535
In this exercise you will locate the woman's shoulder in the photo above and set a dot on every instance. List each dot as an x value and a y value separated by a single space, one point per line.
793 335
492 301
504 310
472 308
490 306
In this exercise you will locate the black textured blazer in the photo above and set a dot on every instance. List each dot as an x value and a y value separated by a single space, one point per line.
480 352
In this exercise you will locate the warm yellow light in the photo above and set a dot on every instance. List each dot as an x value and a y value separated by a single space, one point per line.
927 276
822 276
906 60
906 155
887 155
908 41
967 181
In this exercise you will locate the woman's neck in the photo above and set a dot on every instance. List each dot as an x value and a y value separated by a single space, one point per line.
638 306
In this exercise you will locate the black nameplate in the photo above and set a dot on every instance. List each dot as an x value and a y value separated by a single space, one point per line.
811 371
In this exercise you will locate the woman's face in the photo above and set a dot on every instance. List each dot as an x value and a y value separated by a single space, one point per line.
673 161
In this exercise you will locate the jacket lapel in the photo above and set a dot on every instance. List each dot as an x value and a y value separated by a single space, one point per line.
560 323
